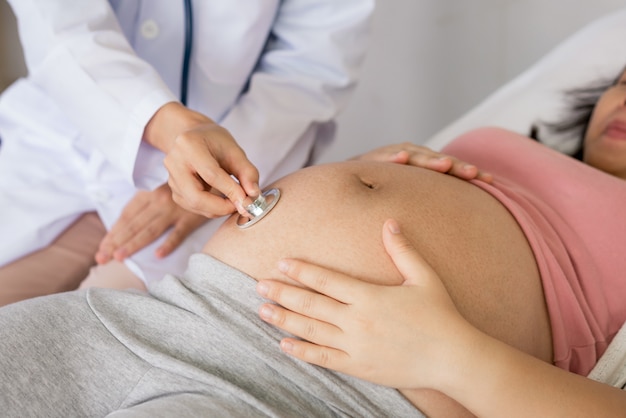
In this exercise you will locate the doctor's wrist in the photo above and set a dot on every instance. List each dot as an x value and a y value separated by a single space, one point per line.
168 122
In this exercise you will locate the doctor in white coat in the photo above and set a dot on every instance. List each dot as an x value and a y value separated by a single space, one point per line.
88 129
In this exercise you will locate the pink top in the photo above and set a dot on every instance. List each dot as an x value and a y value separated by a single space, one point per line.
574 219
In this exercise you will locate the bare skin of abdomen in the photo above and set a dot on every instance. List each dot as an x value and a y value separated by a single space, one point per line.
332 215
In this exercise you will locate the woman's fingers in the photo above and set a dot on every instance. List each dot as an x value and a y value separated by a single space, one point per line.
408 261
420 156
450 165
301 301
390 335
183 227
303 326
323 356
336 285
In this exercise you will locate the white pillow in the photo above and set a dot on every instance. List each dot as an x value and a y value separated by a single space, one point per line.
596 52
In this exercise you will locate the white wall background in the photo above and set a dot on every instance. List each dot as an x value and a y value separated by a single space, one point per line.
430 61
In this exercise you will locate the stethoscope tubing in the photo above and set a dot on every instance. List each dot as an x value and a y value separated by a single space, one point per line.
184 80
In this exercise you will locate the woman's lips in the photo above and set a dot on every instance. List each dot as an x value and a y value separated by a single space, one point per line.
616 130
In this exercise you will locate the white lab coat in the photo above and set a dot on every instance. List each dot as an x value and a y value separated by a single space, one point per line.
274 73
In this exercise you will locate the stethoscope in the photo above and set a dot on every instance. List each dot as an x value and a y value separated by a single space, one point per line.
184 79
258 209
266 201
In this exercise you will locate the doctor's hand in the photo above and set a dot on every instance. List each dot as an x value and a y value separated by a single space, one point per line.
419 156
404 336
147 216
202 156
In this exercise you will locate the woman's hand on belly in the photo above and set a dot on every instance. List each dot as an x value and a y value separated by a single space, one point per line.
400 336
419 156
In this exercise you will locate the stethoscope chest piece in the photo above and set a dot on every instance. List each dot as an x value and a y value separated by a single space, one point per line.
259 208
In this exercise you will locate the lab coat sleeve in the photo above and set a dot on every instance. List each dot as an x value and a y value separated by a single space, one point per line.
76 52
304 77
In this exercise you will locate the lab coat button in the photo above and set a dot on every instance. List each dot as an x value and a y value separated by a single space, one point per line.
149 29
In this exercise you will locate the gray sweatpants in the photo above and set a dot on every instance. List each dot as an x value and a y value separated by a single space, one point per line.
194 347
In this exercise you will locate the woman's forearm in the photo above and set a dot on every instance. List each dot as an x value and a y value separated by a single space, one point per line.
493 379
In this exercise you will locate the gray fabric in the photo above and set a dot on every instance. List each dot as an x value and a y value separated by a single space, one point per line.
196 347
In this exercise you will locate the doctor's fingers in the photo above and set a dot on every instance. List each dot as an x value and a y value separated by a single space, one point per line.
201 201
192 193
214 155
234 161
130 235
176 233
180 231
139 211
227 152
190 184
112 241
176 225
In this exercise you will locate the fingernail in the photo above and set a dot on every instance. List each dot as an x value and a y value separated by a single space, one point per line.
394 228
266 313
287 346
102 258
160 252
468 167
120 254
262 289
240 208
283 266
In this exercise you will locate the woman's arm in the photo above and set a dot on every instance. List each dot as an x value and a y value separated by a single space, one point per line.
347 325
498 380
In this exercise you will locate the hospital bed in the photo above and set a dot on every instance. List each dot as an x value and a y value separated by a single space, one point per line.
596 52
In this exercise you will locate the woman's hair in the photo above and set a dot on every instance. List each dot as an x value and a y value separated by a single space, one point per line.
580 103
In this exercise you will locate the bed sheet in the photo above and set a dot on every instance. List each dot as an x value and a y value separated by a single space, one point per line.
611 368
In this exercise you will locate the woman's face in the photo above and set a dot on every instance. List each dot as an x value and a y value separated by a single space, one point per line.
605 139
